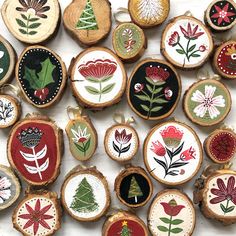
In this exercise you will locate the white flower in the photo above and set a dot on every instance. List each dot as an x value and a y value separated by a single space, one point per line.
80 136
5 192
208 102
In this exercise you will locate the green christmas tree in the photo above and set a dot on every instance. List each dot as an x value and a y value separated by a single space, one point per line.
125 230
84 200
134 190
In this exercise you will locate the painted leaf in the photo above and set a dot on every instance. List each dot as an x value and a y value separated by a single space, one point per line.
180 51
176 222
195 55
32 32
24 16
106 78
143 97
44 166
92 90
41 154
108 88
176 165
116 148
159 101
163 228
34 25
165 220
170 154
27 156
21 23
92 80
157 108
31 169
22 31
191 48
149 88
125 149
87 145
230 209
162 163
172 173
176 230
158 90
178 150
79 147
33 19
145 108
150 81
223 208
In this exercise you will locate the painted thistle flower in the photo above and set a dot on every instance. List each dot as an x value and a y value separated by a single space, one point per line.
156 74
168 93
122 137
5 192
37 5
231 52
171 208
158 148
190 33
174 39
138 87
188 154
80 136
202 48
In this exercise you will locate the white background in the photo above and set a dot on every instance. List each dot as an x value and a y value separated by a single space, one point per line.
67 48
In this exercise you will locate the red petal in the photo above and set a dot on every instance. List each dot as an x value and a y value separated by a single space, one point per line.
218 8
198 34
230 185
221 185
217 192
195 30
176 210
36 227
230 14
46 217
217 200
28 224
226 19
167 208
44 224
226 7
37 206
25 216
219 20
183 31
45 209
216 15
29 208
189 29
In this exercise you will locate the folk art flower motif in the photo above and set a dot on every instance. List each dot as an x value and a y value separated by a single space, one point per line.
156 74
138 87
158 148
174 39
6 110
168 93
188 154
5 191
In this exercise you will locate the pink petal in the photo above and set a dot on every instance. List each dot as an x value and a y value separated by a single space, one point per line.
219 101
216 15
226 7
230 14
28 224
218 8
219 20
36 227
200 110
195 30
46 217
213 112
209 91
226 19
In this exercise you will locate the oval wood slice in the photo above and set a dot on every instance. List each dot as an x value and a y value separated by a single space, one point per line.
41 75
32 22
35 148
88 21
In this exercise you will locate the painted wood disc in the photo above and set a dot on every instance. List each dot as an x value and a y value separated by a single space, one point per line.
7 61
85 194
186 42
154 89
9 187
129 42
221 15
31 22
38 214
207 102
133 187
34 150
98 78
224 60
41 75
172 153
121 142
124 223
149 13
171 213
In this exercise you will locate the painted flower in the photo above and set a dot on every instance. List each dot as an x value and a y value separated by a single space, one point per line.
172 136
36 217
157 74
138 87
224 192
208 103
158 148
1 56
191 33
202 48
168 93
188 154
171 208
37 5
5 192
231 52
222 14
174 39
98 69
122 137
80 136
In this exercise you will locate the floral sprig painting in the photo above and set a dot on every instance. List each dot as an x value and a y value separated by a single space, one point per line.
5 189
6 110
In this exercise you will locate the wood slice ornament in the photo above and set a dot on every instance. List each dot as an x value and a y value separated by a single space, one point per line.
9 187
124 223
98 78
88 21
41 75
172 153
81 134
171 213
39 213
35 148
133 187
31 22
85 194
121 140
224 60
154 89
186 42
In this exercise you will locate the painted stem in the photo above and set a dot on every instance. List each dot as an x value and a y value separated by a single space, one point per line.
183 50
120 150
84 149
227 205
188 57
27 24
100 90
170 226
150 106
36 163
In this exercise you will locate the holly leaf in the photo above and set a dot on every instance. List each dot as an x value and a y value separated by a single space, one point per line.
176 230
176 222
31 77
163 228
143 97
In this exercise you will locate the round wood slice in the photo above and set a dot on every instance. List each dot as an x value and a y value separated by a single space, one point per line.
186 43
35 148
224 61
88 21
124 221
39 213
41 75
149 13
85 194
7 61
154 89
98 78
32 22
207 102
171 212
172 153
9 187
133 187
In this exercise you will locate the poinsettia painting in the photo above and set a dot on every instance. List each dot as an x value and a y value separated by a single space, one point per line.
5 189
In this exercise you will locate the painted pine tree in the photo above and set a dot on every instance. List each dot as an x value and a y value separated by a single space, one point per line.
125 230
84 199
134 190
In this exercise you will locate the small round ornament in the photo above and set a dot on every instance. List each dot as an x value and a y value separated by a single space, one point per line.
39 213
221 15
154 89
172 153
121 140
171 213
133 187
207 102
9 187
98 78
148 13
224 60
186 42
129 42
124 223
85 194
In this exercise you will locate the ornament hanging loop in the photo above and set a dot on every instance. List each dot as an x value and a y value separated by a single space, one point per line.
74 112
118 15
119 118
204 74
12 89
188 13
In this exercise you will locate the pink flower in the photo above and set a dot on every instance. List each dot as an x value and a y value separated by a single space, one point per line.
171 136
138 87
174 39
157 74
191 33
171 208
122 137
158 149
168 93
202 48
188 154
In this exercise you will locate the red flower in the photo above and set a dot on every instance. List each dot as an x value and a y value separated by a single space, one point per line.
191 33
188 154
171 136
202 48
138 87
174 39
99 69
168 93
122 138
158 149
157 74
222 14
36 216
224 193
171 208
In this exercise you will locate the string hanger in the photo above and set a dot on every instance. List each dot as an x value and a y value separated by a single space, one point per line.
12 89
122 11
119 118
74 112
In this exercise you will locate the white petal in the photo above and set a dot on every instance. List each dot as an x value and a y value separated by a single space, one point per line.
219 101
198 97
1 54
1 70
84 132
76 135
213 112
5 194
200 110
4 183
209 91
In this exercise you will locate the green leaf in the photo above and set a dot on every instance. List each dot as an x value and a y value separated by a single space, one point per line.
155 109
108 88
159 83
22 31
79 147
158 90
34 25
87 145
176 230
92 80
223 208
230 209
191 48
149 88
145 108
31 77
163 228
33 32
195 55
92 90
150 81
165 220
33 19
180 51
21 23
160 101
143 97
106 78
176 222
24 16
